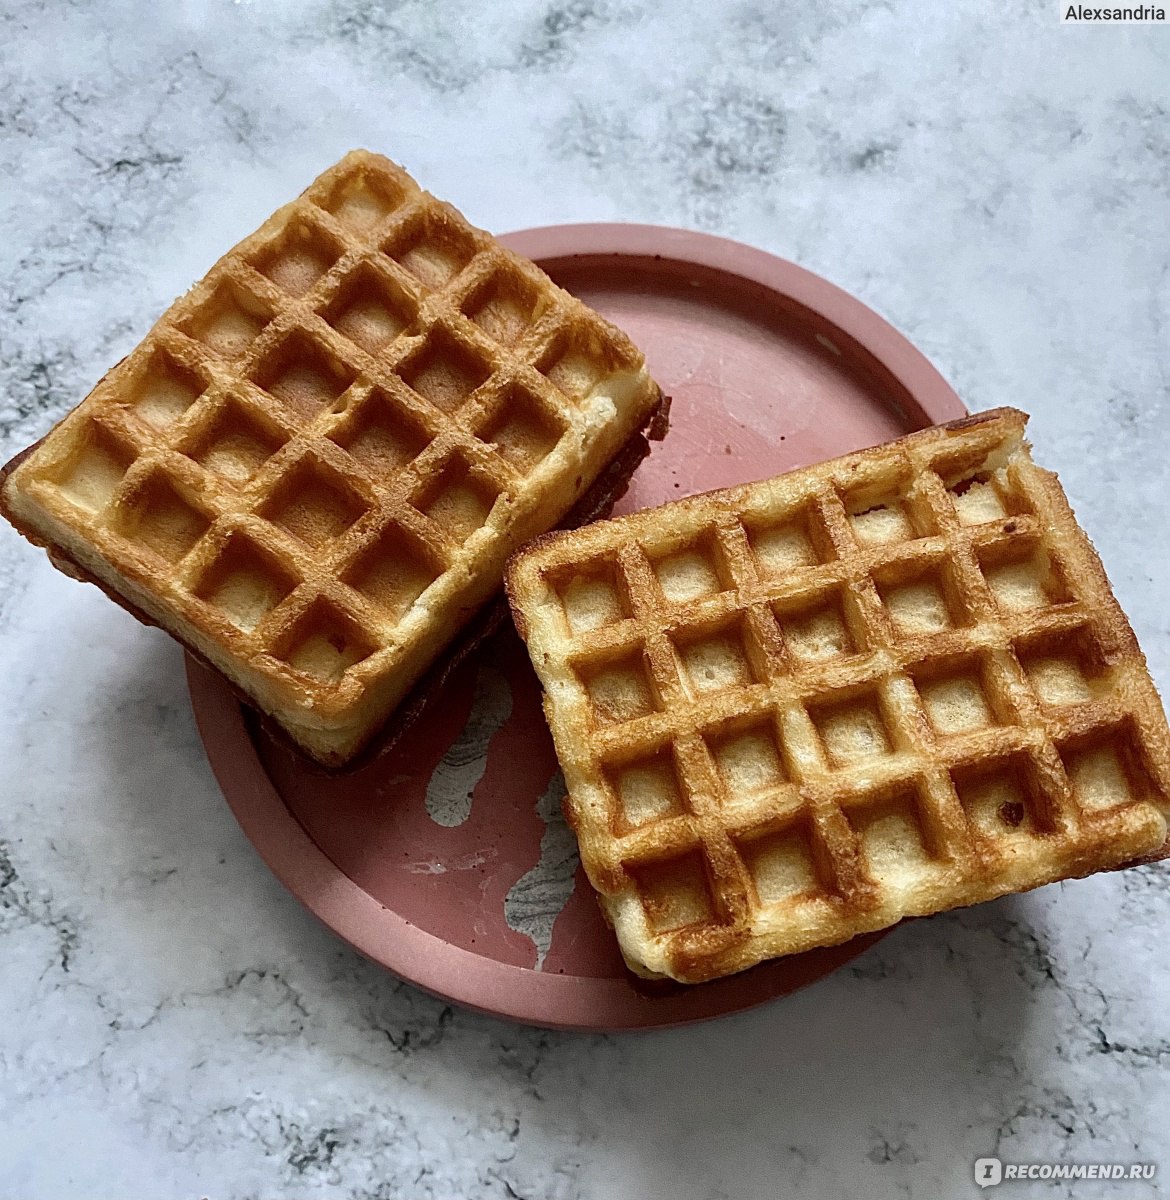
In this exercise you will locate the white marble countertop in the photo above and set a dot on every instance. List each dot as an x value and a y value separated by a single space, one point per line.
174 1024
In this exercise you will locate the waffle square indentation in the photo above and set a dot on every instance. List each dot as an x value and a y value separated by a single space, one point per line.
818 628
892 837
158 516
1104 769
796 543
782 866
591 596
236 442
675 893
325 642
576 363
432 249
715 658
747 756
979 492
298 257
977 500
922 598
1064 669
313 503
362 202
370 309
521 429
444 370
164 390
1022 575
505 306
646 789
381 435
229 321
392 571
691 571
91 475
1003 799
619 687
958 697
303 375
852 730
457 497
882 514
244 582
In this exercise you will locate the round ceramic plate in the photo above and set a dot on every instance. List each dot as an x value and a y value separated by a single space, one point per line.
446 860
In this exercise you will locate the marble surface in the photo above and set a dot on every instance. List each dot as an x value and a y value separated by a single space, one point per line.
174 1024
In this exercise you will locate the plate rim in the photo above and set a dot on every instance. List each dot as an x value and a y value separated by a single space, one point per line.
423 959
937 401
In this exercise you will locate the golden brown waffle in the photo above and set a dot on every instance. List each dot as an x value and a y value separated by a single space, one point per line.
801 709
313 468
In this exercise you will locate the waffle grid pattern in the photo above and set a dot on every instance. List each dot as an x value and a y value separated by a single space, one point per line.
797 711
362 398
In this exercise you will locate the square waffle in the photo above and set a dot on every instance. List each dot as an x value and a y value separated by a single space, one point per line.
312 469
800 709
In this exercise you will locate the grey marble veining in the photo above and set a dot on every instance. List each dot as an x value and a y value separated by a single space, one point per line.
174 1024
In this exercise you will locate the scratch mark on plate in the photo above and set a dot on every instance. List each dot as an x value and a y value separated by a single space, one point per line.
465 862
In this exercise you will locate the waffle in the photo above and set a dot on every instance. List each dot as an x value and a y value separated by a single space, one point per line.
312 469
800 709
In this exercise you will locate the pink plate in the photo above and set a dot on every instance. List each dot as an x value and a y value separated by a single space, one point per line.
445 860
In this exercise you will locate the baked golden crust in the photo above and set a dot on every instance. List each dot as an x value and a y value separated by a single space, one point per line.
314 466
801 709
